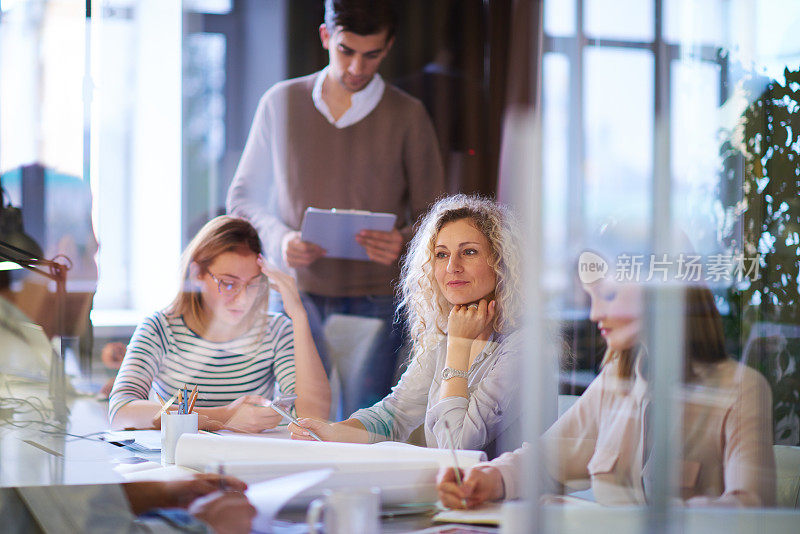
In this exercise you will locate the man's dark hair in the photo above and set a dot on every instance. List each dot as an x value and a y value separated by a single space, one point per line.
362 17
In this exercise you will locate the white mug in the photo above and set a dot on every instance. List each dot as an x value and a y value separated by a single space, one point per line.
173 425
346 511
516 517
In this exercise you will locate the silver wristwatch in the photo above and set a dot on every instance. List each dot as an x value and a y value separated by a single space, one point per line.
449 372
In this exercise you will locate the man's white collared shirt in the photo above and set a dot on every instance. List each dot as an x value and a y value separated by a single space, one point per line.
361 103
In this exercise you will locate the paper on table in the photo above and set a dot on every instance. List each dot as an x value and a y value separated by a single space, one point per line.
148 439
490 513
404 473
280 431
457 529
401 483
199 450
487 514
269 497
154 471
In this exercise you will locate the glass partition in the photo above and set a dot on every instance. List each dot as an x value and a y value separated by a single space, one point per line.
666 279
656 183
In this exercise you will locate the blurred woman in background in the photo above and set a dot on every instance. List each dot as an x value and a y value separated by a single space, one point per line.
218 335
726 455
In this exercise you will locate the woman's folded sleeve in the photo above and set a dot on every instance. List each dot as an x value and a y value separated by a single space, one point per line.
512 466
403 410
140 364
492 407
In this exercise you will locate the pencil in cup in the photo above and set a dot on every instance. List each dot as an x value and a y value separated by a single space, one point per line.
193 398
165 405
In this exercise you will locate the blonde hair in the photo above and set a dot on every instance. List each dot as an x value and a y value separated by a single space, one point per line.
220 234
423 304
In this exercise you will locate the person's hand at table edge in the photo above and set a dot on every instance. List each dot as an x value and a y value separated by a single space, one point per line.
226 512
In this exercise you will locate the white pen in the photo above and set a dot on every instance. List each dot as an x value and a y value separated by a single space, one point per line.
456 470
291 418
221 473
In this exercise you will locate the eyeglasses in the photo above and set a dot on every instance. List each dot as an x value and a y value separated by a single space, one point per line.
231 288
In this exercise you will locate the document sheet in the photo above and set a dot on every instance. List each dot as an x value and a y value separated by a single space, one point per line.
405 474
335 230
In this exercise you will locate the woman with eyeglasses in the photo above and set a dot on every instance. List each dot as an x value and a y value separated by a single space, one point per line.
217 334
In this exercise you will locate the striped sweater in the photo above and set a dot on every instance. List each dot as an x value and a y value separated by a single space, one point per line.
164 354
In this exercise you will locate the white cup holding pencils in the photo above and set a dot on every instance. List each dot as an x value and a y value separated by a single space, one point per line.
173 426
346 511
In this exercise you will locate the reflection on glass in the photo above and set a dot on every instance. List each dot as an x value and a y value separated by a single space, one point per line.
619 19
731 133
559 18
39 121
694 21
618 124
216 7
762 150
203 126
604 441
114 111
605 437
555 153
695 149
774 25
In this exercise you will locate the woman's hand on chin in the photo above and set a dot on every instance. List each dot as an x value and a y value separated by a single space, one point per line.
467 321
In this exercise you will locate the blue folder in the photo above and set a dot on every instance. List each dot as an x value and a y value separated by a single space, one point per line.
335 230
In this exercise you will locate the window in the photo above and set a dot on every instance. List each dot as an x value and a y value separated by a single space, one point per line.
611 69
136 155
175 88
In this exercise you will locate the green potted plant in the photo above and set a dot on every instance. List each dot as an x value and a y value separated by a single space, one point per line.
761 160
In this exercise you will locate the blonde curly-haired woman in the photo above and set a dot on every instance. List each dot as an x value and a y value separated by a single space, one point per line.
461 297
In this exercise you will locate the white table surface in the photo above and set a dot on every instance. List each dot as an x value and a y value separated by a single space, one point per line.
44 454
35 454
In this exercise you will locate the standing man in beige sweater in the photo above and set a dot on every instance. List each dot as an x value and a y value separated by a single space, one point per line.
342 138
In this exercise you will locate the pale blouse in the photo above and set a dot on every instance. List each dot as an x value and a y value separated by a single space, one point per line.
726 457
476 422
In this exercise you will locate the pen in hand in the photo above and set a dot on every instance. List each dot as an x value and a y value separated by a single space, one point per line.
291 418
456 470
221 473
